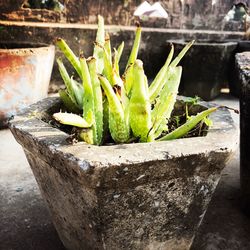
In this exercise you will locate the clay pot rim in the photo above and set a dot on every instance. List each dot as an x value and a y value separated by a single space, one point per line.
19 48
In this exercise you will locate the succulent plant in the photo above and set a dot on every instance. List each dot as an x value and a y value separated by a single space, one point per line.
123 105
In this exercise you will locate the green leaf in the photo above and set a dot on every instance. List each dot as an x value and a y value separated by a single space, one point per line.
176 61
193 100
68 103
88 102
100 40
160 79
107 47
165 103
71 119
105 117
135 48
186 127
69 54
128 77
98 105
67 81
208 121
139 105
119 129
119 54
78 92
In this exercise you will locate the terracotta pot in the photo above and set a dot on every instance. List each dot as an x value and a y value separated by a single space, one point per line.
25 71
127 196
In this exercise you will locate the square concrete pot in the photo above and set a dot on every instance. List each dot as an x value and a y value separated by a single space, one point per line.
128 196
206 67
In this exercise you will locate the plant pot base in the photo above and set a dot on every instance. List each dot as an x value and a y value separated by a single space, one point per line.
160 214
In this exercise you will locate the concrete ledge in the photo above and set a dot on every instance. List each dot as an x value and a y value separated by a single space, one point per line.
80 37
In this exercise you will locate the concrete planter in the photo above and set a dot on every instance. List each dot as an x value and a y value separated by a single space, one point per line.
206 67
243 72
129 196
235 81
25 71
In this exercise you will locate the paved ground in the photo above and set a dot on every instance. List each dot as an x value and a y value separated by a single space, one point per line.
25 223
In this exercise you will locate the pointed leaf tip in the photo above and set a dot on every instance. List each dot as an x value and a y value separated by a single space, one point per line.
71 119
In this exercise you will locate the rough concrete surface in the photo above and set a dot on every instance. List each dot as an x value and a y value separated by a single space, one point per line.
26 224
116 196
242 62
210 79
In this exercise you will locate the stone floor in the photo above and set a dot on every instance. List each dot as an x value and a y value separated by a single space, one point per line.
25 223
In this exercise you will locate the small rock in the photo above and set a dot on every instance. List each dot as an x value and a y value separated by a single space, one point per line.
19 189
157 204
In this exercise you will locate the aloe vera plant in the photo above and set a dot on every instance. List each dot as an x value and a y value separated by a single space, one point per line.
124 106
